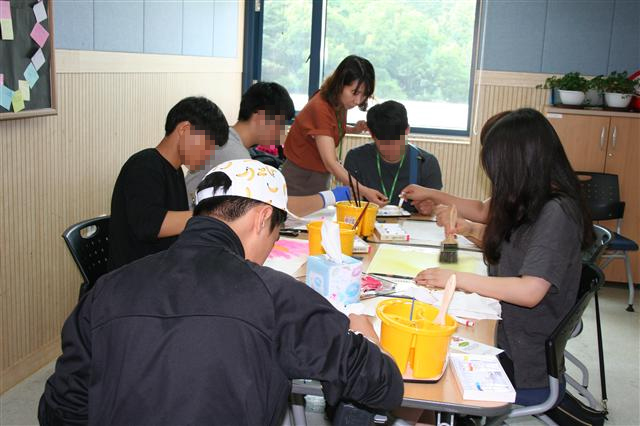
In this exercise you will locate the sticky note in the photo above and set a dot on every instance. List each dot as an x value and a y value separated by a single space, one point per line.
6 26
40 12
5 9
38 59
1 79
6 95
17 101
39 34
31 75
24 88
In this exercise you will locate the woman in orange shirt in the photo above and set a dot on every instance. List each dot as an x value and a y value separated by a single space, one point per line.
310 146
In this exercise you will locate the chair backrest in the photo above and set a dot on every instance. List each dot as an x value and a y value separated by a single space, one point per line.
602 237
591 280
602 194
88 242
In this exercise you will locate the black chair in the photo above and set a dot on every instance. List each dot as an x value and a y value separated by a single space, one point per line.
590 282
88 242
602 193
591 256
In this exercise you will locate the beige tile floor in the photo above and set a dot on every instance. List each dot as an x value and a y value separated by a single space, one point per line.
621 334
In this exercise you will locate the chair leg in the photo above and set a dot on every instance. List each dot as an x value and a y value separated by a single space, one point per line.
627 264
603 382
583 368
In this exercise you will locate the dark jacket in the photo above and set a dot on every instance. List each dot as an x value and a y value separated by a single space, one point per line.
197 334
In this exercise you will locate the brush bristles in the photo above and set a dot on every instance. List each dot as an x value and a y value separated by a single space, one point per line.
449 252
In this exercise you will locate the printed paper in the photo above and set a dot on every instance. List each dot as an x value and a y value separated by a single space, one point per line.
40 12
31 75
24 88
39 34
6 26
38 59
1 79
6 95
17 101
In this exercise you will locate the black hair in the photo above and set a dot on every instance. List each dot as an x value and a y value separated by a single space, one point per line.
527 167
230 207
271 98
203 114
352 68
387 121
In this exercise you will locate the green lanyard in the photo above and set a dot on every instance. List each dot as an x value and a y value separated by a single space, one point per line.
395 179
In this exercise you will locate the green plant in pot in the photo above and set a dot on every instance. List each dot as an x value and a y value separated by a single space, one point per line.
594 96
571 87
618 89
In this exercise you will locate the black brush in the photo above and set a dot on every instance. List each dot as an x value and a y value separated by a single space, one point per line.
449 248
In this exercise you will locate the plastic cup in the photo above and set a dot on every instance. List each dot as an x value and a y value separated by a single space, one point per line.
347 234
348 212
418 342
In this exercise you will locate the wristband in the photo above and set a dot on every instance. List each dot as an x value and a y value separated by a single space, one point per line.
328 199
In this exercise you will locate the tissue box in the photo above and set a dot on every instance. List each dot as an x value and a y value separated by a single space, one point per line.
337 282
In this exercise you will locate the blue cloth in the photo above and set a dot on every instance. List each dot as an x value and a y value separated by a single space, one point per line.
535 396
341 193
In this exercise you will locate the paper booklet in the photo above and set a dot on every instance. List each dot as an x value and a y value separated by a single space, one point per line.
481 378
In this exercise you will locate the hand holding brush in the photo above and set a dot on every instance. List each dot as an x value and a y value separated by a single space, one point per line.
449 249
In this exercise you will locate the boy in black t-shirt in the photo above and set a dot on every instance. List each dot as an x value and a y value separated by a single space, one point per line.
149 204
390 164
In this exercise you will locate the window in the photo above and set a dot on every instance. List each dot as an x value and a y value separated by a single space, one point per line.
422 52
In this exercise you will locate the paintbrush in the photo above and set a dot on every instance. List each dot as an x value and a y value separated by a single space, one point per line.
355 225
353 191
449 248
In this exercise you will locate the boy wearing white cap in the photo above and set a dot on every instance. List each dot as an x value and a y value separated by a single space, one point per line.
203 334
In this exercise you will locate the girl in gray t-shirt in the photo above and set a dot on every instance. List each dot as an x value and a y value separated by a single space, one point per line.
531 230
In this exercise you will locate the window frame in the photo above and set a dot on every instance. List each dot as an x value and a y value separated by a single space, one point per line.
252 57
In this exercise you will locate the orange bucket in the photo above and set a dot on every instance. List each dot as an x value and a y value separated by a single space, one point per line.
348 212
418 342
347 235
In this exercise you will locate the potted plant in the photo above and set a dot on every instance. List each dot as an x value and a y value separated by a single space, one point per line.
618 89
594 96
571 87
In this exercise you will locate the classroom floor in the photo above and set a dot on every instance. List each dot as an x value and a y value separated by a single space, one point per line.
621 334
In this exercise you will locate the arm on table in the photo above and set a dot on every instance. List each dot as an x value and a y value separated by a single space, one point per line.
474 210
526 291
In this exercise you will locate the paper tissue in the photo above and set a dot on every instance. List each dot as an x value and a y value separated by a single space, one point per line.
334 275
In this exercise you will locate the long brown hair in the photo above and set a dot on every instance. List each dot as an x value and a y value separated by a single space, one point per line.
527 166
352 68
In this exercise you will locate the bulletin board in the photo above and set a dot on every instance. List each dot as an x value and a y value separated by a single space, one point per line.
27 66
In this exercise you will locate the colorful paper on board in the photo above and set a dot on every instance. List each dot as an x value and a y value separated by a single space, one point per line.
38 59
6 95
1 79
5 10
31 75
39 34
407 261
17 101
24 88
40 12
6 26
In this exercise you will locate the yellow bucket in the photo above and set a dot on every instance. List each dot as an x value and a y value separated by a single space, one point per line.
418 342
347 234
348 212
